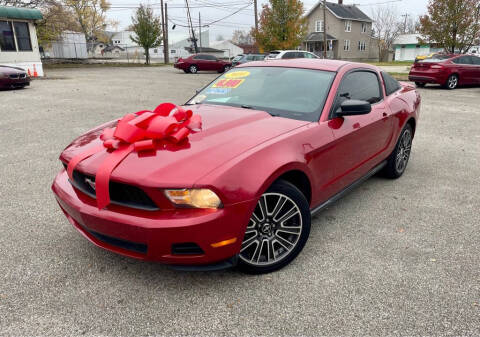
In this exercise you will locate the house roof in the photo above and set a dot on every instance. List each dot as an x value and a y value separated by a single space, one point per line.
349 12
110 48
20 13
318 36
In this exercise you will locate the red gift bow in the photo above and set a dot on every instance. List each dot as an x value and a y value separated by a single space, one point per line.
136 132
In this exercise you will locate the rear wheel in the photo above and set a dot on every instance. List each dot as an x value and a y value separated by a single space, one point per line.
277 231
420 84
398 160
226 68
193 69
452 82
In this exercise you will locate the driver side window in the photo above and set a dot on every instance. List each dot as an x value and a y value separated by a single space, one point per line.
359 85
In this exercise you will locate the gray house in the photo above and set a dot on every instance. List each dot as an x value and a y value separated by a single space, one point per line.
349 32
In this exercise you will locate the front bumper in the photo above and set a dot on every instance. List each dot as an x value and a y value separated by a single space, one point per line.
150 235
14 83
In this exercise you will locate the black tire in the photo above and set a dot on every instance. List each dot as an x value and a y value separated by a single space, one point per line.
452 82
420 84
394 169
281 234
225 69
193 69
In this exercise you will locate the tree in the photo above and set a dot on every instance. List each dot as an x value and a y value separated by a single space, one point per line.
56 19
23 3
281 25
91 16
147 28
241 37
453 24
387 26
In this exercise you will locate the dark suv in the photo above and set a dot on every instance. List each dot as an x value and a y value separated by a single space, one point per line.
197 62
244 58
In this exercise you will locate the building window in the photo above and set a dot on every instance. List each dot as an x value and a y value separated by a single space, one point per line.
23 36
362 45
173 51
7 41
319 26
364 27
348 25
346 45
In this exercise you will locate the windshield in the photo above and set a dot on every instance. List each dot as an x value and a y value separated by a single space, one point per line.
286 92
436 58
237 58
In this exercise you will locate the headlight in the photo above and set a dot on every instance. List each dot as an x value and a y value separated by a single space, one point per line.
198 198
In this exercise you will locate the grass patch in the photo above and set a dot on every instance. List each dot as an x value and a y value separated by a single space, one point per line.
101 65
399 76
394 63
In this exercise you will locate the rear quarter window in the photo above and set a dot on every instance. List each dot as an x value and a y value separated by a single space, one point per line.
391 84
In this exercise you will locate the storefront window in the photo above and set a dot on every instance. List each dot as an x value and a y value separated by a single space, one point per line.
7 42
23 36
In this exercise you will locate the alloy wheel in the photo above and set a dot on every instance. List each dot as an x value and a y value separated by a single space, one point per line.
452 82
273 230
193 69
403 151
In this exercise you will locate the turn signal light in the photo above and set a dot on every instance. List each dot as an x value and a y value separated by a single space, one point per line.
223 243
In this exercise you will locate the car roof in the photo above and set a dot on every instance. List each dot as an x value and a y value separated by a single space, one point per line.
317 64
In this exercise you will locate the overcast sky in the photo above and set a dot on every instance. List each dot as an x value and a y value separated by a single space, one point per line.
212 10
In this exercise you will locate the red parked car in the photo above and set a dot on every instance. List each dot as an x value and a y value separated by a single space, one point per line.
280 141
449 71
13 77
198 62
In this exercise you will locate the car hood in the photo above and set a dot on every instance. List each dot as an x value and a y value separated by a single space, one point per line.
11 70
226 133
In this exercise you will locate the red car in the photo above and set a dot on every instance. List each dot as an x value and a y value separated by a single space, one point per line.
197 62
449 71
13 77
280 141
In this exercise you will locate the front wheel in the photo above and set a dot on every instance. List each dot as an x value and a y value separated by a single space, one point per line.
420 84
398 160
225 69
277 231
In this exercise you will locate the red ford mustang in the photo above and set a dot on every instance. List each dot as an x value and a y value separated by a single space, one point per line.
280 141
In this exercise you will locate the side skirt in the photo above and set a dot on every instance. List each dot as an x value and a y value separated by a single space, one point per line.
348 188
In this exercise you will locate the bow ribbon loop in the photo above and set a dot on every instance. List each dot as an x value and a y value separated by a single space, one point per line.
134 133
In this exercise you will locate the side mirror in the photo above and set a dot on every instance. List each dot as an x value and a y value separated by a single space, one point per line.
198 90
352 107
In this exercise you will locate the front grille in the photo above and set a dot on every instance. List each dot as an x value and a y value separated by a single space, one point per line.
124 244
120 194
186 248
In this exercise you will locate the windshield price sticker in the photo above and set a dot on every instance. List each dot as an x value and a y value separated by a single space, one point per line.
228 83
218 91
237 74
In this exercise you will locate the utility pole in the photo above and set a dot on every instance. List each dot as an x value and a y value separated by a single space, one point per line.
194 39
324 29
165 35
200 28
256 15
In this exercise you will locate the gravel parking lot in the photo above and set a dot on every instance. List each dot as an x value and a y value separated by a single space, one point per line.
392 258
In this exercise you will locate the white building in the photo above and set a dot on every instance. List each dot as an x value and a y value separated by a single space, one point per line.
408 46
230 49
70 45
18 39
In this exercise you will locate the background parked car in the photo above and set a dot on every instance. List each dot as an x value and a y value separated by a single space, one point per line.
290 54
13 77
244 58
447 70
197 62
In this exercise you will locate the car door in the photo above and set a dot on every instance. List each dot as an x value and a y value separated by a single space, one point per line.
289 55
200 62
360 141
465 69
476 67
